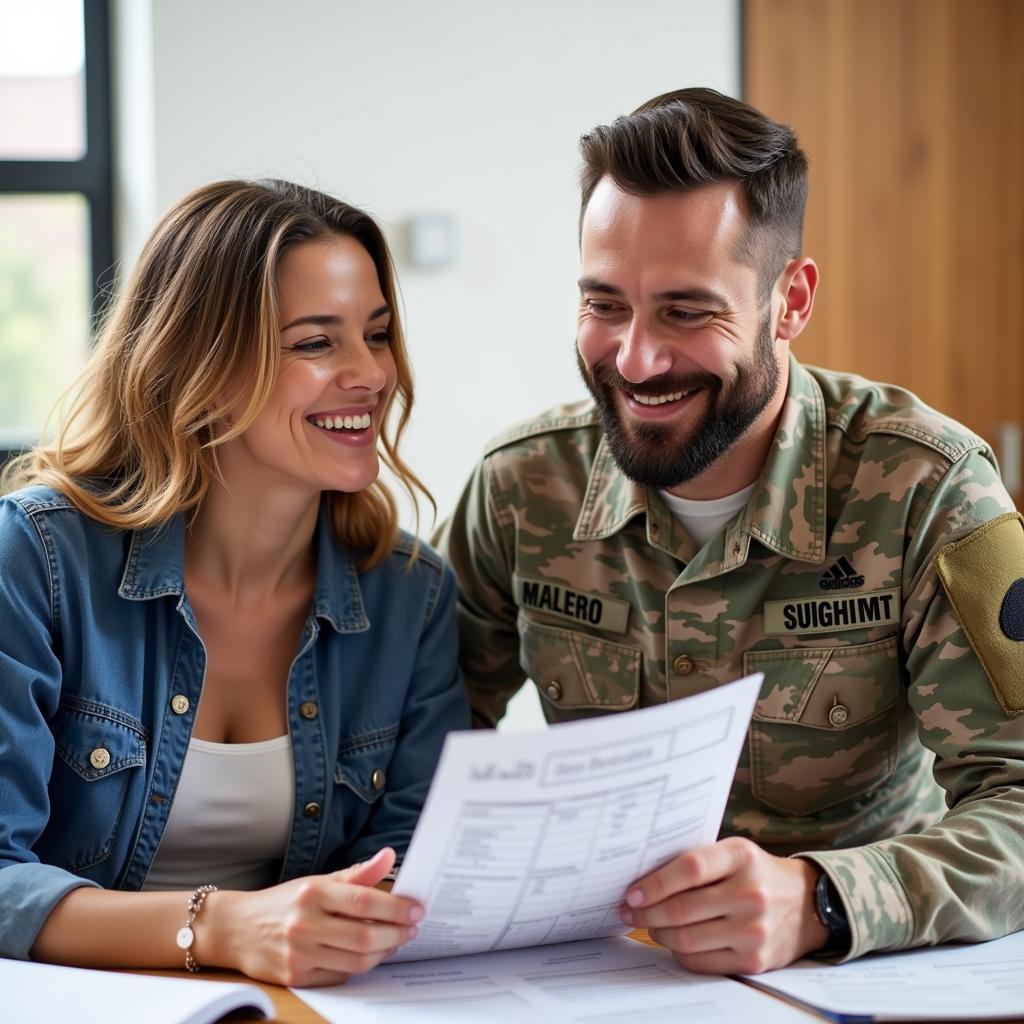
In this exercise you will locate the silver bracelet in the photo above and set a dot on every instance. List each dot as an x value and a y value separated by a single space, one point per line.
186 933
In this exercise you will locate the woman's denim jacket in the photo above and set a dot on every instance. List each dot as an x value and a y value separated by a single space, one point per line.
101 670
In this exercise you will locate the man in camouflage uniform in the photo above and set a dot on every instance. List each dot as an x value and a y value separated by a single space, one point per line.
719 509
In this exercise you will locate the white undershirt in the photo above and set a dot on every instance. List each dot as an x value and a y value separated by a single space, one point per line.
702 520
231 818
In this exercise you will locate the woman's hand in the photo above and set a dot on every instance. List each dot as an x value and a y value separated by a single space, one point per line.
309 931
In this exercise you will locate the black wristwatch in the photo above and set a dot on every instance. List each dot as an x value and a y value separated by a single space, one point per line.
830 910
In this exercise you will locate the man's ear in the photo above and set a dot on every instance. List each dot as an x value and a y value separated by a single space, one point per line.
797 285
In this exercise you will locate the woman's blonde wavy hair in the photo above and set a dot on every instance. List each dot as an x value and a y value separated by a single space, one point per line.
197 320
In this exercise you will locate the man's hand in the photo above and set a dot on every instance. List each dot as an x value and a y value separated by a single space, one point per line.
729 908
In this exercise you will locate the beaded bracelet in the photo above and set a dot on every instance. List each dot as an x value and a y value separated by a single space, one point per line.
186 933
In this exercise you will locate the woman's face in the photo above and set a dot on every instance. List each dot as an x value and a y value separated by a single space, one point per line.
321 422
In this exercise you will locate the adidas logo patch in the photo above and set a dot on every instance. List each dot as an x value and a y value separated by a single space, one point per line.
841 576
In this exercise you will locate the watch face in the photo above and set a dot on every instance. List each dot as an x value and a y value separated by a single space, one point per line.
185 937
822 903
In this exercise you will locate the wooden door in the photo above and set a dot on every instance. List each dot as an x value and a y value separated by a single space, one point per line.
912 115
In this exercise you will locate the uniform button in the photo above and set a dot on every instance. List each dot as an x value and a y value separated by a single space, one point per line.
308 709
553 690
311 810
179 704
100 758
683 665
838 715
378 778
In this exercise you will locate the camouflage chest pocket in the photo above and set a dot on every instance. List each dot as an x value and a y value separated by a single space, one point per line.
823 730
575 671
99 749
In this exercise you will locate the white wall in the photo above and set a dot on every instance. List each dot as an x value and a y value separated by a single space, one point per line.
467 107
462 106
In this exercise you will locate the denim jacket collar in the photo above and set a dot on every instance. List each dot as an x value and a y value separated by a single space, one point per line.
155 567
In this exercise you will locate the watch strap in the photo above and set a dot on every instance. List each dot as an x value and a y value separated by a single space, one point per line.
828 905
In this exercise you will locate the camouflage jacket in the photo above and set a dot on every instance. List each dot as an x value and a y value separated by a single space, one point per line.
874 576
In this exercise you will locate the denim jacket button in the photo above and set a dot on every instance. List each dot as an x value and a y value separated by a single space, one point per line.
179 704
308 709
311 810
377 779
99 758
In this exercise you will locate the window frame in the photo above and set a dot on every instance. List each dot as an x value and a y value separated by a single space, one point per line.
91 176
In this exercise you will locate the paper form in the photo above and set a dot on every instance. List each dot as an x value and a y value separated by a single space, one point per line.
608 981
534 838
975 982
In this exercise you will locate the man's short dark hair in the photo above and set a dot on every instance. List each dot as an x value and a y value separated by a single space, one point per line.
685 139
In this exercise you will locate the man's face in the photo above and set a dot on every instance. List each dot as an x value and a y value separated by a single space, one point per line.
672 342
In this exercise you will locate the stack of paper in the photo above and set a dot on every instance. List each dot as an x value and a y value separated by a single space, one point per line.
609 981
978 982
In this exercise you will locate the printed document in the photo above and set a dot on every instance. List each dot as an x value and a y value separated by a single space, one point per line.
609 981
969 982
533 838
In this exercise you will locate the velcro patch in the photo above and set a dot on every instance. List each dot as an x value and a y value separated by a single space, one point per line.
983 575
554 598
832 614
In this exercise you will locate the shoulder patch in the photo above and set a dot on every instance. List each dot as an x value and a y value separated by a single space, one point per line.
983 574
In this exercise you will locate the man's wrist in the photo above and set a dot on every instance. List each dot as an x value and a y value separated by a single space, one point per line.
813 934
829 909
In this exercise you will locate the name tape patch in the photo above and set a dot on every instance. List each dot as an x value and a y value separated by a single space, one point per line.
598 610
832 614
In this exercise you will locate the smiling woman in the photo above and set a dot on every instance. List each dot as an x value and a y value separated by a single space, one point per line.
189 358
338 368
227 673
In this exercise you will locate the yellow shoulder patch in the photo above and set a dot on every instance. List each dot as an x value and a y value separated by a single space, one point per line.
984 577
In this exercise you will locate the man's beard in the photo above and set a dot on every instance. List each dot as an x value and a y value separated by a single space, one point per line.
655 454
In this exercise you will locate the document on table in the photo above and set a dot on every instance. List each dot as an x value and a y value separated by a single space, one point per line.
608 981
43 994
533 838
975 982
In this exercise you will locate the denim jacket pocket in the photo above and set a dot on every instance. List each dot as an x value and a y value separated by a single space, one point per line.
97 747
361 778
823 730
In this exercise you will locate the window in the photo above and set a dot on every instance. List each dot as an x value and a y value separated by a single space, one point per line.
56 221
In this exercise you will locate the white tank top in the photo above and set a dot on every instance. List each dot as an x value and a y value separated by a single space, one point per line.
231 818
703 519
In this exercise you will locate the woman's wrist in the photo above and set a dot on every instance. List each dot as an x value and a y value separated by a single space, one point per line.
215 930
